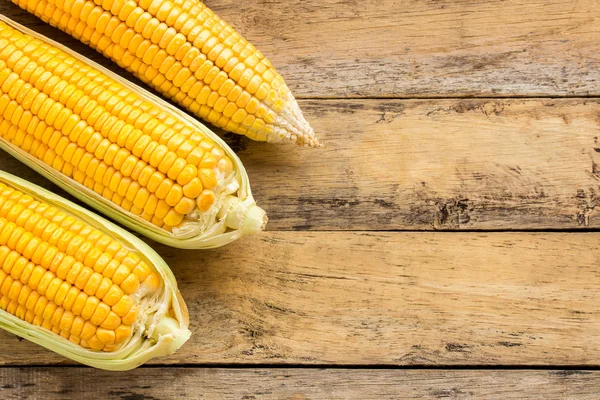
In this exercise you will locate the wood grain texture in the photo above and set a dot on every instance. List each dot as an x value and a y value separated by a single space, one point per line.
295 384
415 48
355 298
393 298
430 164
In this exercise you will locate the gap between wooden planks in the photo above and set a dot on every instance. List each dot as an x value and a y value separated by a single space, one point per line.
413 48
297 384
352 298
429 164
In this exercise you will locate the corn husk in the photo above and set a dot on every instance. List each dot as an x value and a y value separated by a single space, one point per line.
159 332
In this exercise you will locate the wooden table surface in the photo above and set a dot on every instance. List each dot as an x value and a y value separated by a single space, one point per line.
443 244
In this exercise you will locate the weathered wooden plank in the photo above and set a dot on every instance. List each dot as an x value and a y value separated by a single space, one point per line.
358 298
296 384
430 164
417 48
436 164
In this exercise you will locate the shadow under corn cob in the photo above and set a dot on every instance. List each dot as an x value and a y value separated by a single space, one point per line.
187 53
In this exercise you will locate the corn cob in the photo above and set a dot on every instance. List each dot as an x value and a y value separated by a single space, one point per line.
119 148
79 285
188 54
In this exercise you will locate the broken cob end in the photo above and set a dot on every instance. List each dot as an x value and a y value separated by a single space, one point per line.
255 220
243 215
171 334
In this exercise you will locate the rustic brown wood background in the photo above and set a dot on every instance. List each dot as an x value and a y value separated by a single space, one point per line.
477 119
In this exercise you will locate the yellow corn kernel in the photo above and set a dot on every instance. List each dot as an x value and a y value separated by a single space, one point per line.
205 200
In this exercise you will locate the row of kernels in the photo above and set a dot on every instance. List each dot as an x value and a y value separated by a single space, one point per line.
164 165
252 104
105 248
159 210
36 310
223 160
176 48
140 121
66 267
48 295
77 247
90 166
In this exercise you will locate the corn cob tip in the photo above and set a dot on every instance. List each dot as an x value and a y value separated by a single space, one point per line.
296 127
